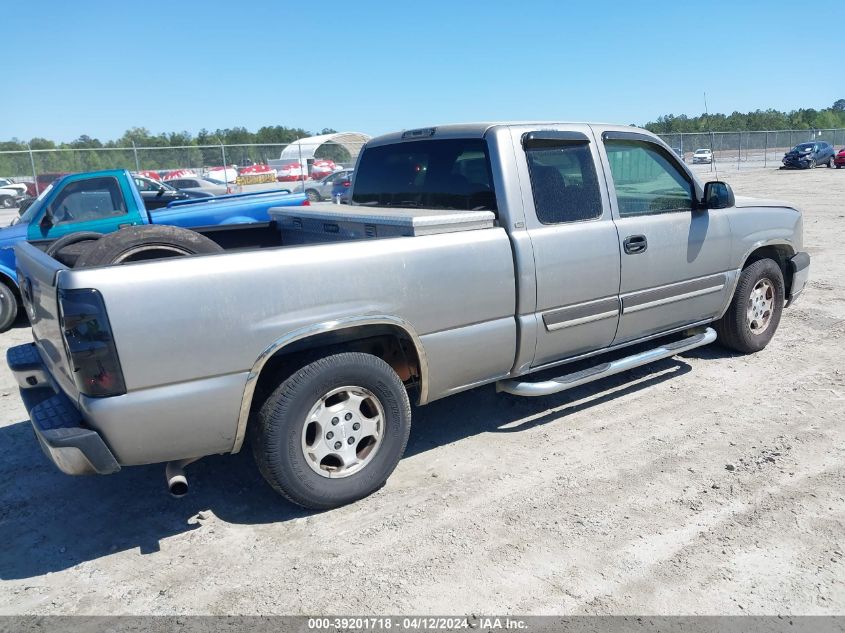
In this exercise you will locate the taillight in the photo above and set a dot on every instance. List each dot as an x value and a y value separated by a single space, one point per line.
306 203
346 183
89 343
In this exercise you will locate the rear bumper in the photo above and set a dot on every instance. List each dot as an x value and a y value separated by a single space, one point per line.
800 264
73 448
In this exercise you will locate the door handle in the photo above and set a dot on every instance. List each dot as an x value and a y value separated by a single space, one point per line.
635 244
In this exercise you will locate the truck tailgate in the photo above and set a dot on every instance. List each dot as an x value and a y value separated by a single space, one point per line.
38 276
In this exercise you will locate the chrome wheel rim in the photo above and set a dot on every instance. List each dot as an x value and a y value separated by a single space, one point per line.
343 431
761 306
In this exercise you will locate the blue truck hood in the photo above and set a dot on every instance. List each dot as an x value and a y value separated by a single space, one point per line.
11 234
236 209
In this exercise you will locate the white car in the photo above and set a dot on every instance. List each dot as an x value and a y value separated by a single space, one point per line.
10 193
702 156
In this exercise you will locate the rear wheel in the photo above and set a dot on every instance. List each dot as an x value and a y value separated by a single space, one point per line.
831 163
334 431
312 195
139 243
8 307
811 164
754 313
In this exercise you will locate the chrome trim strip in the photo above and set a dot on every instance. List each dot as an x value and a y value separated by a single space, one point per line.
313 330
579 313
587 319
648 295
672 299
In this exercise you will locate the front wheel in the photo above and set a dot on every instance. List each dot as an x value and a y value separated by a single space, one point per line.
754 313
334 431
8 307
7 202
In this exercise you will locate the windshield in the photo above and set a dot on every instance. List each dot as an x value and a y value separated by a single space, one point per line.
214 181
803 147
434 174
28 215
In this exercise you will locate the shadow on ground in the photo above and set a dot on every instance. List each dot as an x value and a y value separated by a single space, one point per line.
50 521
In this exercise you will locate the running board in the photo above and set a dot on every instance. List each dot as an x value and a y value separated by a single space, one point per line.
568 381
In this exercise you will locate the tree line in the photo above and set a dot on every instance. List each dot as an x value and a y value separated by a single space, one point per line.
172 150
802 119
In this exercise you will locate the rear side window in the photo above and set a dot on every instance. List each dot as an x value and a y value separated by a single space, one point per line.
564 183
435 174
85 200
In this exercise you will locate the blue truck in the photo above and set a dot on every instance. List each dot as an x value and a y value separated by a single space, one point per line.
92 203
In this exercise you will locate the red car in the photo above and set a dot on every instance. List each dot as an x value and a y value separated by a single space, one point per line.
839 160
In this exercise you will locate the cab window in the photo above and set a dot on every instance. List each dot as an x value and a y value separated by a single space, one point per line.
646 179
434 174
564 183
85 200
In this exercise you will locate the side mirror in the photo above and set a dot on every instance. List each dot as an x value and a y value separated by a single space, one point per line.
161 191
46 222
718 195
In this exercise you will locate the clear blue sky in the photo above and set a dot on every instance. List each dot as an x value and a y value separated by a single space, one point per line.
98 68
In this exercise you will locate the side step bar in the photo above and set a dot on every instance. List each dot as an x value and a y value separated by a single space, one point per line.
568 381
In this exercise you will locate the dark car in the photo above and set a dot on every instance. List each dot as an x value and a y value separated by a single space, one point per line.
157 194
809 155
340 189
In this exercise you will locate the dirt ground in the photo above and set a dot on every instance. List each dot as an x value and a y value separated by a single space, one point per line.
706 484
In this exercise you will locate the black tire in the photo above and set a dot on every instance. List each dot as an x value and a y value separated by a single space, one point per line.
71 238
138 243
280 427
734 330
313 195
8 306
7 202
811 164
831 163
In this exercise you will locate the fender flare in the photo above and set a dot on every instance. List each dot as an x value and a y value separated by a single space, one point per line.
314 330
6 272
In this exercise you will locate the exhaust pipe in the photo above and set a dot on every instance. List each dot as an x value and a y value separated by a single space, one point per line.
177 481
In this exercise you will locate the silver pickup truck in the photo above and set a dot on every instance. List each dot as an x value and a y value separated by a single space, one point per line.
470 254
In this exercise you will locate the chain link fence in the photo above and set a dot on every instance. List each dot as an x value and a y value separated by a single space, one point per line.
42 165
739 149
750 149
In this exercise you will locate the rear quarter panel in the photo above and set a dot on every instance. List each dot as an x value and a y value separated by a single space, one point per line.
189 330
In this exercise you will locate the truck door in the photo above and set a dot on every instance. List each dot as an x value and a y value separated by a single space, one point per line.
85 203
674 255
576 248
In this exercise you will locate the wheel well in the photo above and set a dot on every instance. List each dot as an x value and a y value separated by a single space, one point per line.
780 253
390 343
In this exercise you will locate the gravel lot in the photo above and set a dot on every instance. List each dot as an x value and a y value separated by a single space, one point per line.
709 483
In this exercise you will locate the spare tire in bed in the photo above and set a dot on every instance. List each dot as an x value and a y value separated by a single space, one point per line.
140 243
